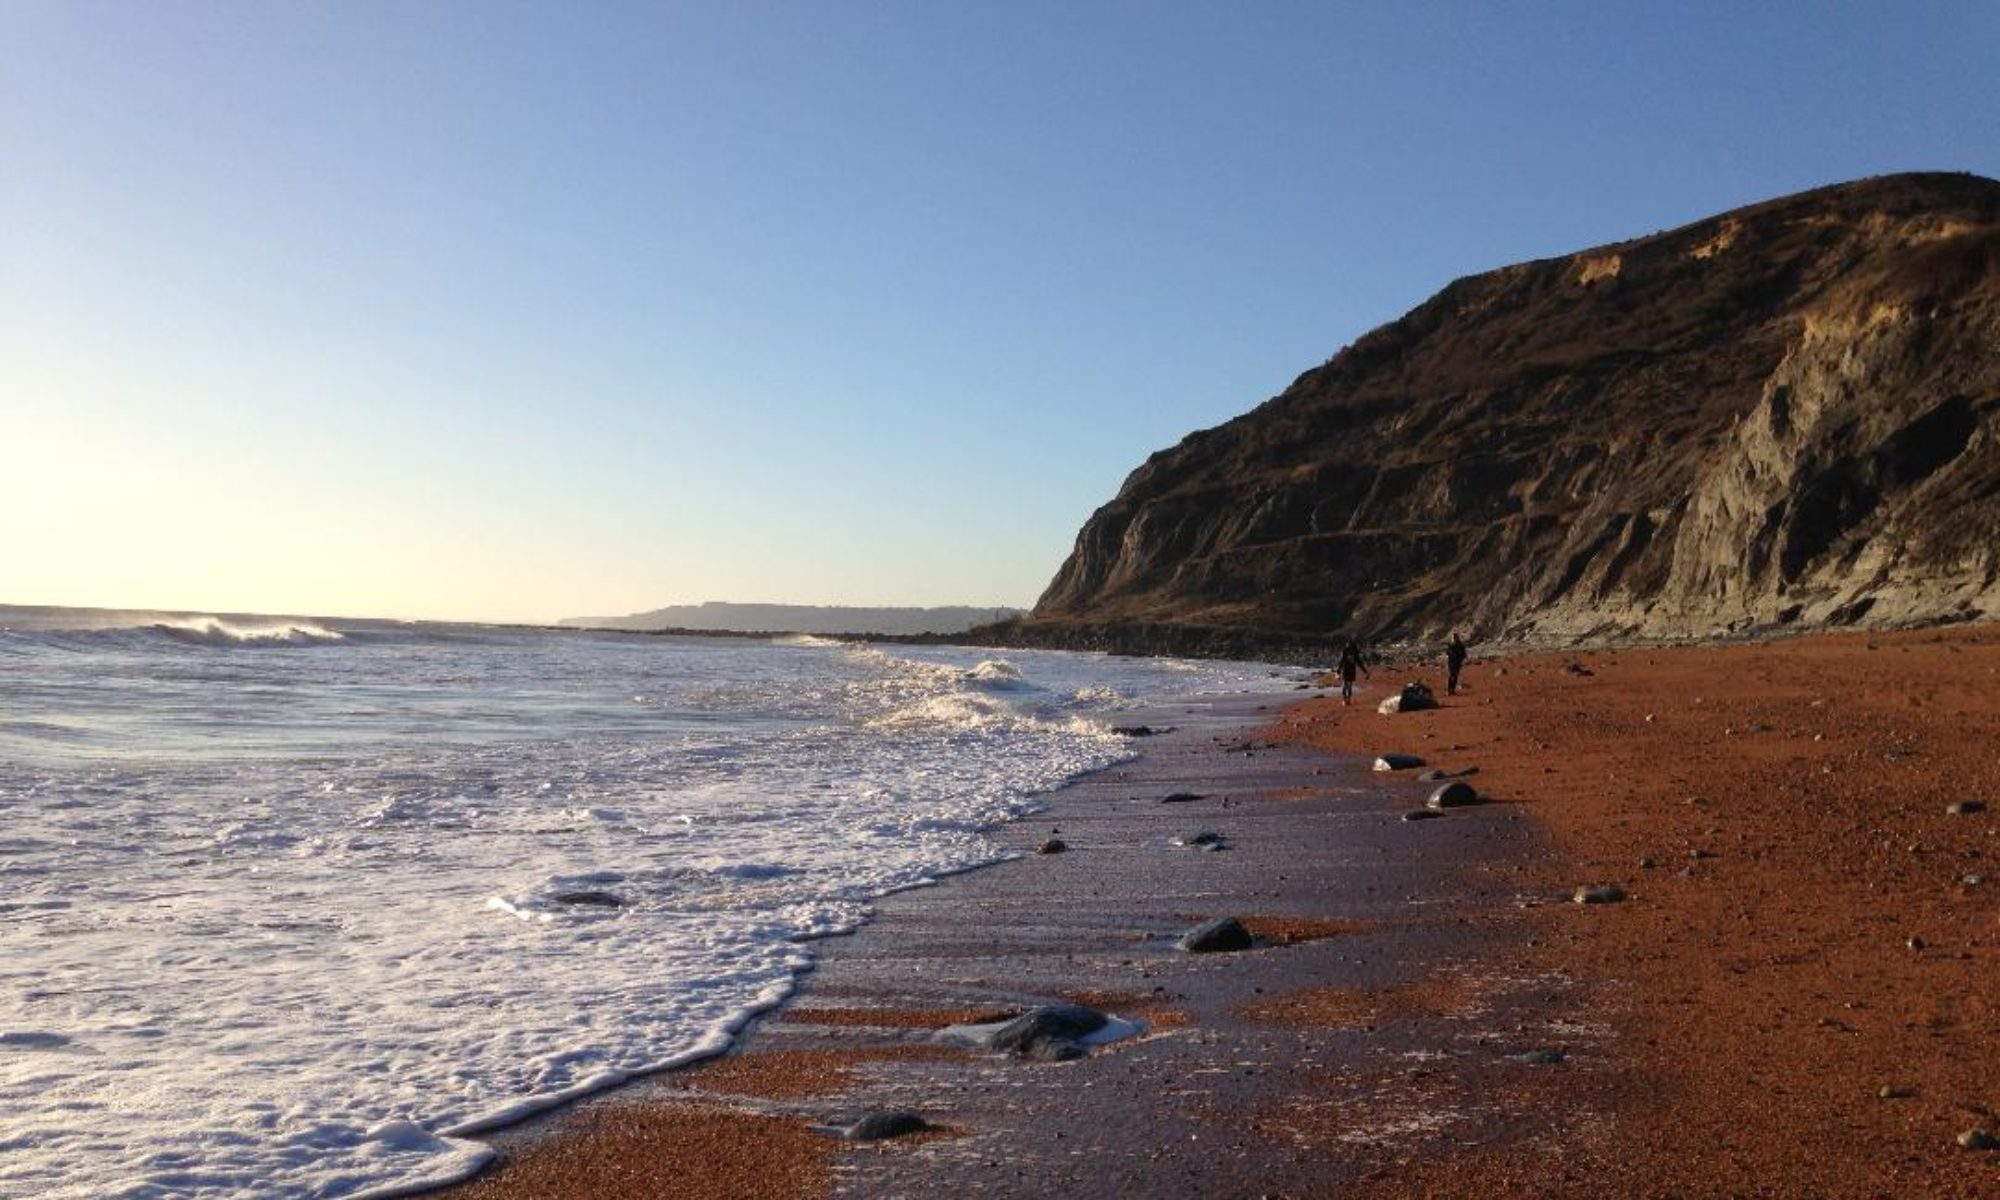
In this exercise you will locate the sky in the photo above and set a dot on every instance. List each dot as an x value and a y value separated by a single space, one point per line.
505 311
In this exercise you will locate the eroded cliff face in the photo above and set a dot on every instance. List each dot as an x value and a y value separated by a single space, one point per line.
1788 414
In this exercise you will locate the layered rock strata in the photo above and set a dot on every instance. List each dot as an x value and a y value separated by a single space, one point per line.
1788 414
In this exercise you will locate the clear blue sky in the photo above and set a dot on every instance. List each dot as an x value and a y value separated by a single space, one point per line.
519 311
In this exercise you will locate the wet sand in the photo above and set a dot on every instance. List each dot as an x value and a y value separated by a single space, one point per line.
1339 890
1426 1013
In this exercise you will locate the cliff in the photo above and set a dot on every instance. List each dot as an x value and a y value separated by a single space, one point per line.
1788 414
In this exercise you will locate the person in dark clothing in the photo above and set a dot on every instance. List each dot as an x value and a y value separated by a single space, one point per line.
1454 662
1350 663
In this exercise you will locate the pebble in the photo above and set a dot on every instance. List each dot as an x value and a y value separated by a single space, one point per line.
1181 797
1541 1058
1455 794
1647 864
876 1126
1217 936
1421 814
1892 1092
1397 762
1964 808
1048 1033
1915 943
1607 893
1204 838
1052 846
1978 1139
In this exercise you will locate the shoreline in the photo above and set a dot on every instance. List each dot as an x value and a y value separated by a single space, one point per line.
1794 998
1093 924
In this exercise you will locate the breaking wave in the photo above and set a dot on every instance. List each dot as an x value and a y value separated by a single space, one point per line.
214 631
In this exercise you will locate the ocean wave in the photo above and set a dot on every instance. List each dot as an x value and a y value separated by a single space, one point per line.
140 635
214 631
997 673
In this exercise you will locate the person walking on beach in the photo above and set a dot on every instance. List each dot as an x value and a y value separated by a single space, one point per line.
1350 662
1454 662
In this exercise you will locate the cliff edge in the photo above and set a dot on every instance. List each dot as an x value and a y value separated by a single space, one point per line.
1788 414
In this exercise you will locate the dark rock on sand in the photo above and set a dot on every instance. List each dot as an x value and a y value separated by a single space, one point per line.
1052 846
590 899
1603 893
1217 936
1206 837
1421 814
876 1126
1136 731
1414 697
1965 808
1456 794
1978 1139
1049 1033
1181 797
1397 762
1053 1049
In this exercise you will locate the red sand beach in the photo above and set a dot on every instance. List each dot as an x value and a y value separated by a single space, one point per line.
1796 997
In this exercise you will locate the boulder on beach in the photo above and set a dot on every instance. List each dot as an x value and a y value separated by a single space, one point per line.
1206 838
1050 1033
876 1126
1052 846
1397 762
1214 937
1181 797
1455 794
1602 893
1421 814
1414 697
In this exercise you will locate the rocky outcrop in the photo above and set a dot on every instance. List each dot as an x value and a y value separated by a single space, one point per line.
1788 414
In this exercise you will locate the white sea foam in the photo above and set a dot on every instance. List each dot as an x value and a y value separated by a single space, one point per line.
303 924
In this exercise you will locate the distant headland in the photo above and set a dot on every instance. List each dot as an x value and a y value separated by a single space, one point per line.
718 616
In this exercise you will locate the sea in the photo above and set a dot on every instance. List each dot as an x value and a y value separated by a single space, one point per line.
301 908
